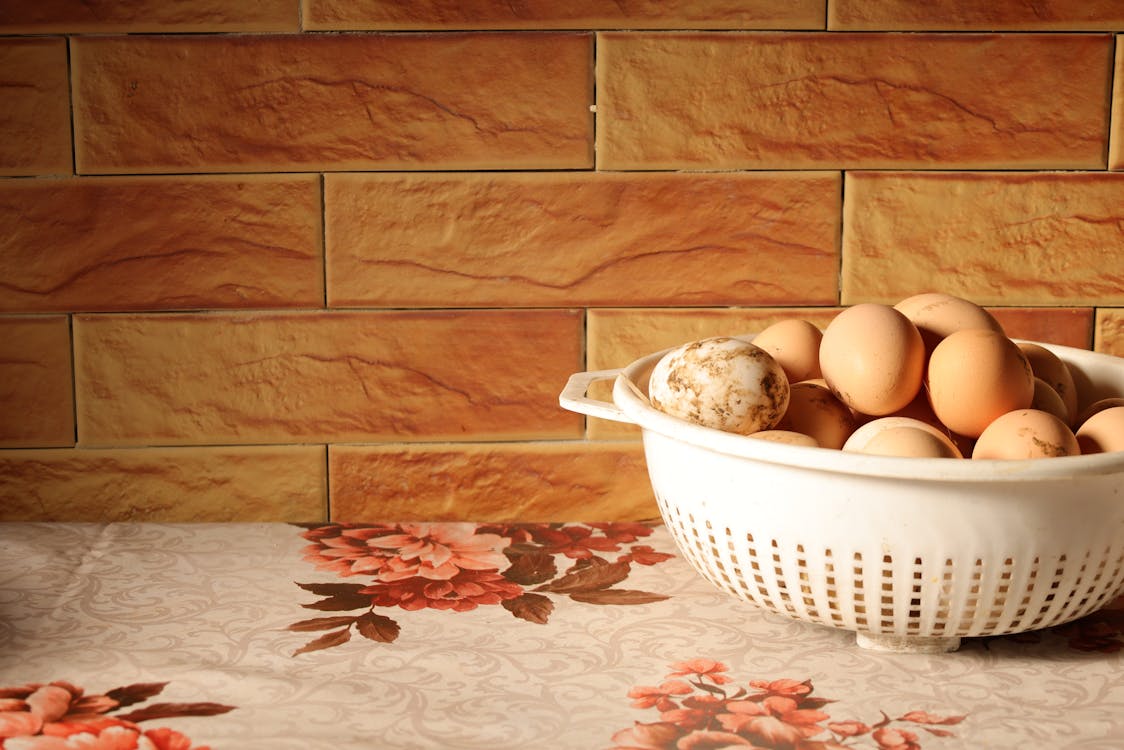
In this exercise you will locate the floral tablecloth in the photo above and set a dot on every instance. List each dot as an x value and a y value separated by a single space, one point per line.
461 635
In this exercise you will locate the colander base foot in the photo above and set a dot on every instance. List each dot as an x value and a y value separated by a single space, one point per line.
906 644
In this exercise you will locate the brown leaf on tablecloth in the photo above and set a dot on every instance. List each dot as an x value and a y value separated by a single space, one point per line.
617 596
529 568
599 575
341 603
534 608
321 623
377 627
135 693
328 640
331 589
169 710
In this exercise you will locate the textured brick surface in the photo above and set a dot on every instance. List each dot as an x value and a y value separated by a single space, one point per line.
1116 141
1109 337
993 15
36 392
160 243
851 100
617 337
321 377
1068 326
997 239
69 16
275 103
571 14
509 482
35 116
582 239
279 483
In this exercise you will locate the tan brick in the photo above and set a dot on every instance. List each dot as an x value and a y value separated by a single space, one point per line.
1068 326
35 117
36 384
532 239
134 243
996 239
508 482
572 14
1116 140
1109 334
796 101
994 15
273 483
333 102
107 16
324 377
618 337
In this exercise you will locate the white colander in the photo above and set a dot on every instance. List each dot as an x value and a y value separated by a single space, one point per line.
909 553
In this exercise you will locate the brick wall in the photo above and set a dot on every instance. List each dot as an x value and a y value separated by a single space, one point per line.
273 260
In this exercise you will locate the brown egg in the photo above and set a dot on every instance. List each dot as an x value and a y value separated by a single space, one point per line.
1026 433
1103 432
937 315
974 377
1096 406
872 358
795 344
814 410
787 437
910 442
920 408
1048 366
1047 399
862 437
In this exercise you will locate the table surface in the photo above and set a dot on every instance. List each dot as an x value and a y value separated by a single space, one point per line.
464 635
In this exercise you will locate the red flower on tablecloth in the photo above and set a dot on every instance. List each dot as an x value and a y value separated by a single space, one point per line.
61 716
696 711
460 567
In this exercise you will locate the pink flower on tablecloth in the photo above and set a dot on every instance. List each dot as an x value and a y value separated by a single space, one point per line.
465 590
699 708
60 716
436 551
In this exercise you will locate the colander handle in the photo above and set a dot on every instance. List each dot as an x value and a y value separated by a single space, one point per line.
573 396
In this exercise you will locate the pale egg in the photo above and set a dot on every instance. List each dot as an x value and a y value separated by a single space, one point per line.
937 315
910 442
795 344
814 410
787 437
1103 432
1026 433
722 382
863 436
975 376
872 358
1096 406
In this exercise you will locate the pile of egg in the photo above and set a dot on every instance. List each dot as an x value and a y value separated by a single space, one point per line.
932 376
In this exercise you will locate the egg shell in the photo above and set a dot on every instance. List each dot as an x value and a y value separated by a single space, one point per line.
787 437
910 442
1026 433
938 315
795 344
1096 406
1047 399
1048 366
1103 432
920 408
861 437
722 382
975 376
872 358
814 410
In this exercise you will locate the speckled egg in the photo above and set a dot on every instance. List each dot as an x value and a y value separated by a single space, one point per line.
1048 366
1026 433
724 383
